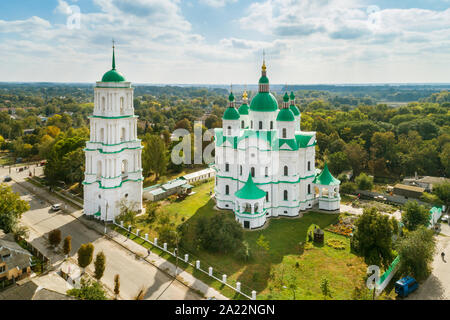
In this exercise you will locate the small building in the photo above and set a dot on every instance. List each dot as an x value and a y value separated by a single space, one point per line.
155 194
71 273
408 191
435 215
15 262
28 131
30 290
426 182
160 192
199 175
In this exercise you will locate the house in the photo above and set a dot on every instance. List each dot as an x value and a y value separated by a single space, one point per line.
426 182
160 192
408 191
30 290
15 262
199 175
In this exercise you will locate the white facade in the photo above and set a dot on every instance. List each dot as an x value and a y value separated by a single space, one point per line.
113 153
279 157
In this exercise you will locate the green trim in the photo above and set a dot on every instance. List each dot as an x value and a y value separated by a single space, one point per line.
325 199
120 185
120 117
116 144
113 152
265 183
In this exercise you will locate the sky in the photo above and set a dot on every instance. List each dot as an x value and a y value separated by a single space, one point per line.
222 41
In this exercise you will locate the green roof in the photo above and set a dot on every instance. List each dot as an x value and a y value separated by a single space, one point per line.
250 191
264 102
263 79
325 178
286 97
243 109
285 115
231 114
292 95
231 97
295 110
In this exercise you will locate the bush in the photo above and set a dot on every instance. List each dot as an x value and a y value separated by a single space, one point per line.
88 291
348 188
343 178
364 182
415 215
336 244
100 261
85 254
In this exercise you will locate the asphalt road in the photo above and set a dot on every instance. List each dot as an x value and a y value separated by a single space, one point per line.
134 274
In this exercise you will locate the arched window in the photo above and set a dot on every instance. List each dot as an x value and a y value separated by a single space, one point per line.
124 169
229 130
242 124
266 173
260 125
122 105
285 195
271 125
251 124
227 167
103 104
253 172
309 165
99 169
227 189
122 135
267 196
240 170
309 189
286 170
284 133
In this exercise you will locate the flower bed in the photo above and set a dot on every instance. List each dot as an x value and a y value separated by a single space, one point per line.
341 228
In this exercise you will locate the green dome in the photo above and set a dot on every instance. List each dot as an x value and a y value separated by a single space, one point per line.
295 110
231 97
263 79
113 76
264 102
292 95
243 109
231 114
285 115
286 97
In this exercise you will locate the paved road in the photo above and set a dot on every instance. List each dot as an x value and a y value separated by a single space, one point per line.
437 286
134 274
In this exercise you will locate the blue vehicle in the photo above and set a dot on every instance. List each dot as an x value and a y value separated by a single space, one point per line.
405 286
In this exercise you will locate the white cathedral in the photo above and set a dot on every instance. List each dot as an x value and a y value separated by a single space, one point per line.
113 152
265 164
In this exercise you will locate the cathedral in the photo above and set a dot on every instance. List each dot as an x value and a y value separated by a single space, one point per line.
265 163
113 152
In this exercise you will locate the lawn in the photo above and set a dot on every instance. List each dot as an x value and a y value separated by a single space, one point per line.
274 273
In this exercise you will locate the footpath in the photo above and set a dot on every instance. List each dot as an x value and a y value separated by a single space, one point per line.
165 266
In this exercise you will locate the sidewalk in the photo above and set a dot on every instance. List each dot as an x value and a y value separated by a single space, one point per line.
183 277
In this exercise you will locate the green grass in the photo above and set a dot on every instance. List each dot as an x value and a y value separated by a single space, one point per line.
268 272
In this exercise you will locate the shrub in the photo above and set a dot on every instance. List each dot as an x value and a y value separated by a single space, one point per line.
100 261
67 246
88 291
348 188
364 182
85 254
336 244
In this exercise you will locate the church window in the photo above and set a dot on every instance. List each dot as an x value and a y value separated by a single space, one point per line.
284 133
227 167
309 165
227 189
251 124
122 135
124 169
103 104
102 135
266 173
285 195
309 189
240 170
267 195
253 172
99 169
260 125
286 170
122 105
271 125
242 124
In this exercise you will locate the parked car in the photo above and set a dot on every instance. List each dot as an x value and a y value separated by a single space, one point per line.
445 217
7 179
56 207
405 286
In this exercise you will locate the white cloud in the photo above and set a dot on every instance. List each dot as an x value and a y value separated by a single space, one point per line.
217 3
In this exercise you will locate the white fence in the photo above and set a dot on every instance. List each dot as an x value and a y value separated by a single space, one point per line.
185 259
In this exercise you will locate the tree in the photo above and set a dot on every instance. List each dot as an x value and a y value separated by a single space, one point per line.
356 157
11 208
348 188
155 157
100 262
54 237
128 211
364 182
262 243
219 233
414 215
150 210
116 285
416 251
88 291
325 288
85 254
373 237
67 245
293 285
338 162
184 124
442 190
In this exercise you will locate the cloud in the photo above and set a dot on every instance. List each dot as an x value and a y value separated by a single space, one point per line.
217 3
32 24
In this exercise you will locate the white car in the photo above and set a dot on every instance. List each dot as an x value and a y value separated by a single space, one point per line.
56 207
445 217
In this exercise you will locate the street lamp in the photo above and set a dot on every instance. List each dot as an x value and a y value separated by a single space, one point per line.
176 255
